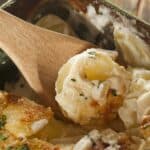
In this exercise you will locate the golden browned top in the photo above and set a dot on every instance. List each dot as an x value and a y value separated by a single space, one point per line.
23 116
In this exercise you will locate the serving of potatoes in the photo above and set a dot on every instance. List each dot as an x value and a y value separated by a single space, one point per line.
91 85
105 102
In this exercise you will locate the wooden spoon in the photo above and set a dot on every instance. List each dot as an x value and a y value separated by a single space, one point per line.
37 52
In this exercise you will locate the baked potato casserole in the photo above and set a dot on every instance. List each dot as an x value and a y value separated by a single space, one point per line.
91 88
106 102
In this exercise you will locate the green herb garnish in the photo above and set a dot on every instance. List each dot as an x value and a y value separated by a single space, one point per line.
85 98
9 148
2 121
3 137
23 147
74 80
81 94
92 53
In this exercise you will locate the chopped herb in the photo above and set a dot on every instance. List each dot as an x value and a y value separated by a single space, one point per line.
99 82
81 94
2 121
2 137
23 147
92 53
114 92
9 148
74 80
85 98
93 83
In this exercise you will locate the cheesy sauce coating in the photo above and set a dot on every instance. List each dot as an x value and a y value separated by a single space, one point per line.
91 85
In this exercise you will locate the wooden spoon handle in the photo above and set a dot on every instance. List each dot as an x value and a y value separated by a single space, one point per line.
16 39
37 52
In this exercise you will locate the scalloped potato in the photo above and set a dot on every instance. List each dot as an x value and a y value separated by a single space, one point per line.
106 139
23 116
10 142
7 140
21 120
109 140
135 110
91 85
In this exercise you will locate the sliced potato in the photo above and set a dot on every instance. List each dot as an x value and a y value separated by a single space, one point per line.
135 51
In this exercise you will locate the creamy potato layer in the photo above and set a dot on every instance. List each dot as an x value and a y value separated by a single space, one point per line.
94 140
135 110
91 85
21 116
21 120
